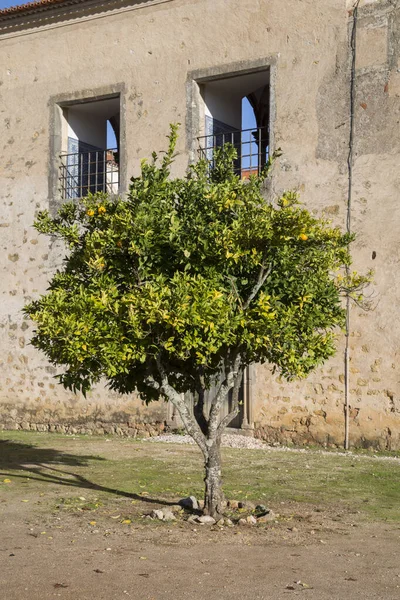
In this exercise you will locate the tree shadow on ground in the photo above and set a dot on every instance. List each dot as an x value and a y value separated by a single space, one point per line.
38 464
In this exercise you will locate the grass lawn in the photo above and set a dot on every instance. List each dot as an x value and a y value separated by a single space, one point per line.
63 469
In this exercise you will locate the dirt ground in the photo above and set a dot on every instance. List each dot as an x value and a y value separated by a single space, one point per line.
42 559
76 548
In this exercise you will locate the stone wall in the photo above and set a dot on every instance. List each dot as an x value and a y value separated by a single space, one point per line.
134 429
313 411
149 51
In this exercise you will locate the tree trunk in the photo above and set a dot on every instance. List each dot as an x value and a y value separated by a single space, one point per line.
207 435
213 497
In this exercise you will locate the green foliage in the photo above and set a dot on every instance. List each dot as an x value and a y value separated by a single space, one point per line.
189 270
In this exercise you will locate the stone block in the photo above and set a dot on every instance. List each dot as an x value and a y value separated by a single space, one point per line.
394 83
372 46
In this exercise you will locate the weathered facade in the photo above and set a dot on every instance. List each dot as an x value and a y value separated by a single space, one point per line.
69 66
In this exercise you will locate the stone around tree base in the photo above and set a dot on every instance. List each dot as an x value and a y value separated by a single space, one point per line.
206 519
157 514
191 503
251 520
163 515
270 516
192 519
169 515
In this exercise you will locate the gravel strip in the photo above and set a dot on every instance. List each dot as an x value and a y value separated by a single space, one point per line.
229 441
250 443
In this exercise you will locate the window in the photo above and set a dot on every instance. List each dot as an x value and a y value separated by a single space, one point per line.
90 148
236 110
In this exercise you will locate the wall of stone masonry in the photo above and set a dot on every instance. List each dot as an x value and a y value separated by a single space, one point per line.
132 429
149 50
312 411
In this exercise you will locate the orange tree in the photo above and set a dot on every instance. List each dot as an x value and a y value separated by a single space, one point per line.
181 285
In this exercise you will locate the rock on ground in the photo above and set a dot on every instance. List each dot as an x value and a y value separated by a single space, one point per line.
191 503
169 515
206 519
157 514
267 518
163 515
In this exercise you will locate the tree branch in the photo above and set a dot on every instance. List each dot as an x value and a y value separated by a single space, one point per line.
225 387
262 276
178 401
151 382
234 287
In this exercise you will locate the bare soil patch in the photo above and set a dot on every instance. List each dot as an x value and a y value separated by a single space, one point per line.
72 525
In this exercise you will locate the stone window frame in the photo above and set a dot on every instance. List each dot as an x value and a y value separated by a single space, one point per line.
57 104
194 99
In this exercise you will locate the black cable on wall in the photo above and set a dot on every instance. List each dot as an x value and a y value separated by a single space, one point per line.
350 160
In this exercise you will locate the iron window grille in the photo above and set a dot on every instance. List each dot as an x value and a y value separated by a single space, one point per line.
82 173
251 146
